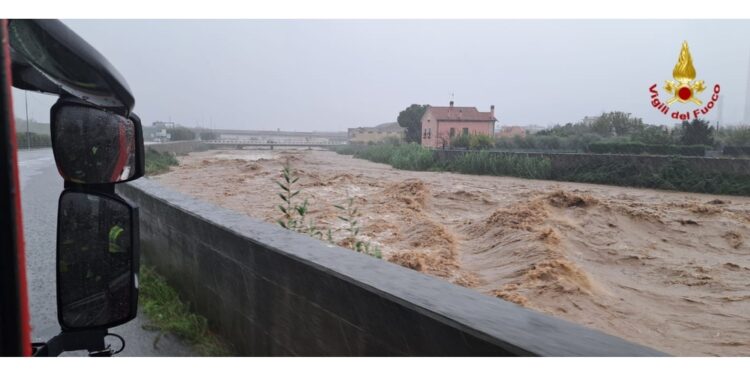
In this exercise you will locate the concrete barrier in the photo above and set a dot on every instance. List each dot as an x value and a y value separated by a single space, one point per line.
178 147
270 291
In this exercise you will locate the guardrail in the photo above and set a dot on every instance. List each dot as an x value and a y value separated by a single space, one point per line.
271 291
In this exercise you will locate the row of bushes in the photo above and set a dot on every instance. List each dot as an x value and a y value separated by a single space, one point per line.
638 148
675 174
497 164
417 158
736 150
473 142
534 142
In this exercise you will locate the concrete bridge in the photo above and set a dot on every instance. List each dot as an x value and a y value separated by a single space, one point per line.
241 143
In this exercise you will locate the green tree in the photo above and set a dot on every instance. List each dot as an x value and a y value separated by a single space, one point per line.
653 135
697 132
617 124
567 130
735 136
411 120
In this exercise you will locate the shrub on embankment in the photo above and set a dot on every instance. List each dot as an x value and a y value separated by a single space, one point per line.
675 173
417 158
497 164
159 162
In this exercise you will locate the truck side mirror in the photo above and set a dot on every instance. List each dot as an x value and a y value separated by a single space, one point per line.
97 261
95 146
65 64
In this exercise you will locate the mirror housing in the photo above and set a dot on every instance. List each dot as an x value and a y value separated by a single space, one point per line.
64 63
94 146
98 248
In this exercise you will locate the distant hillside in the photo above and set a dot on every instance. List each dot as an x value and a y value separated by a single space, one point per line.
34 127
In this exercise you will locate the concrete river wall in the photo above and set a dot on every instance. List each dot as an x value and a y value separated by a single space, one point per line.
273 292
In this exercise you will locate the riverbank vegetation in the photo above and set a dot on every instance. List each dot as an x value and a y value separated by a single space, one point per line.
414 157
159 162
168 314
294 212
621 133
611 132
676 173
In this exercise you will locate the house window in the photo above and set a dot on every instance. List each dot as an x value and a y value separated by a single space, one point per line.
466 131
453 132
424 134
429 133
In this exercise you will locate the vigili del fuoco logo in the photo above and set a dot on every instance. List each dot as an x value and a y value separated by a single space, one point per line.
684 89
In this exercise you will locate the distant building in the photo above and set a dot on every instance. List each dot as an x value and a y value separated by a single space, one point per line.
511 131
440 124
164 124
376 134
161 135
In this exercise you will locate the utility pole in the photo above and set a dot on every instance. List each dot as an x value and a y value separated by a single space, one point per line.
28 139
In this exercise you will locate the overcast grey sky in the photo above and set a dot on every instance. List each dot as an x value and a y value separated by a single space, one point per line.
331 75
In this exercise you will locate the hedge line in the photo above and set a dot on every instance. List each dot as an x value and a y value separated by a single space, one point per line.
676 174
736 150
638 148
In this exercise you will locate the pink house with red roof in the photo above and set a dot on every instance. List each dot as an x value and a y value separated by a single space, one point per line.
440 124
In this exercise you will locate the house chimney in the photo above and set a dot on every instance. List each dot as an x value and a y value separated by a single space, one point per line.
492 109
451 103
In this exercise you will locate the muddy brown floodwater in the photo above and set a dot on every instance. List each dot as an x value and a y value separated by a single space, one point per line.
664 269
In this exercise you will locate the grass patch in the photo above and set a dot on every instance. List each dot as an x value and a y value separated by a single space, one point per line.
168 313
159 162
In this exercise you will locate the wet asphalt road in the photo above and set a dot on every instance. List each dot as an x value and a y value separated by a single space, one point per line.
40 189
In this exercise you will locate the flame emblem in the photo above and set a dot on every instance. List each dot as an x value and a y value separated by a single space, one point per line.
684 87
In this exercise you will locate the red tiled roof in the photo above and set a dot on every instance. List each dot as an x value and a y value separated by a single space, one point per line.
460 114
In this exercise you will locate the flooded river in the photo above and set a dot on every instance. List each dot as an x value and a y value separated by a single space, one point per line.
664 269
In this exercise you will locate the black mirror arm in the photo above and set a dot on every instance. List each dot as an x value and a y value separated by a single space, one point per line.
97 188
92 341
